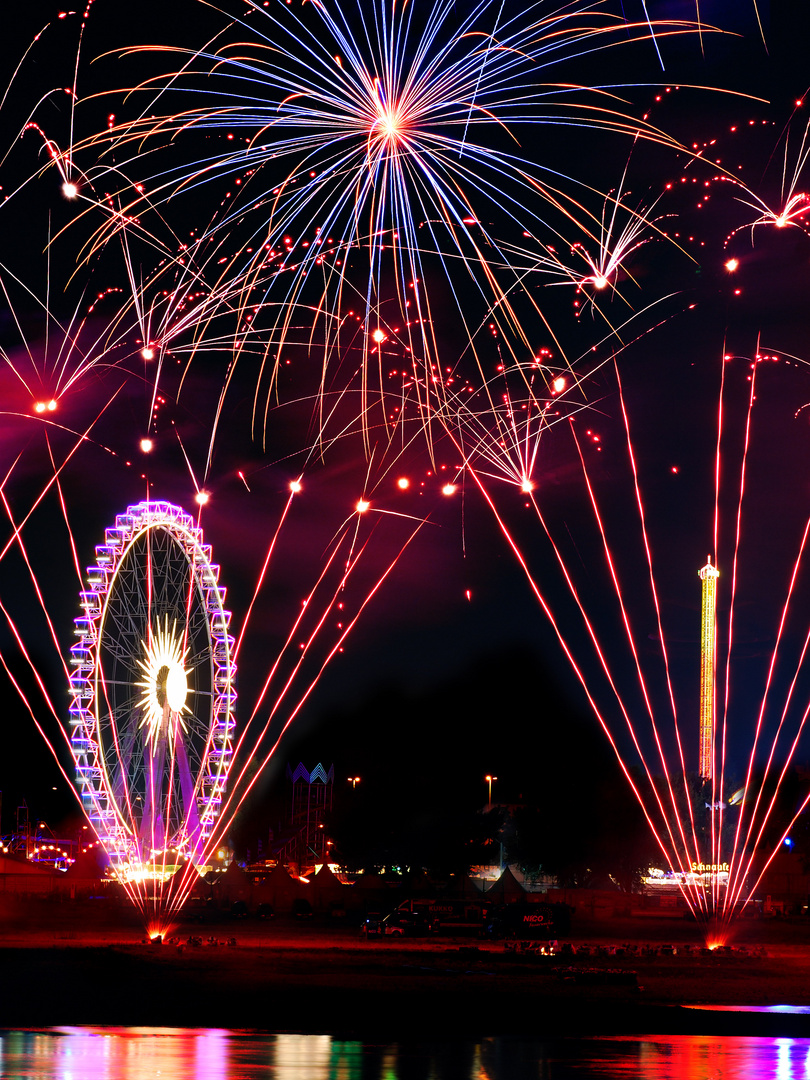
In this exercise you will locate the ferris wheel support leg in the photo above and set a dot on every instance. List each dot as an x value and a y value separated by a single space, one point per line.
192 830
152 834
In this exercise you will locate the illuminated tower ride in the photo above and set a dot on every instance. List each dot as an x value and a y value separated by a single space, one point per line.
708 660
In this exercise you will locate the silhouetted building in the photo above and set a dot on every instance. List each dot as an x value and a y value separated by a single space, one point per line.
311 802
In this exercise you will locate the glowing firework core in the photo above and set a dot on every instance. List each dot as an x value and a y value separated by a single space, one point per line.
390 125
390 122
708 659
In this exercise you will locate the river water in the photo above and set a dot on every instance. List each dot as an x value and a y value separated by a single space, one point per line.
205 1054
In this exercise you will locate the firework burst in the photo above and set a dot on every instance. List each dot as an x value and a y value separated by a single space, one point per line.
369 152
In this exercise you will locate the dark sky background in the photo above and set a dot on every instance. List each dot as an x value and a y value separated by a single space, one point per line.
434 687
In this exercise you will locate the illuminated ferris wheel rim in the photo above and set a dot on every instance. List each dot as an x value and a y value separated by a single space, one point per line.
86 682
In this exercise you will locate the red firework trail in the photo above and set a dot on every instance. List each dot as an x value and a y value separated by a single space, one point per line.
656 602
295 488
32 665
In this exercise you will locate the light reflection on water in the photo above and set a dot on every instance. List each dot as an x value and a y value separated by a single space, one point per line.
207 1054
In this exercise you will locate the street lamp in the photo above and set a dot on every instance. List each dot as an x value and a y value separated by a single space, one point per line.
353 780
489 779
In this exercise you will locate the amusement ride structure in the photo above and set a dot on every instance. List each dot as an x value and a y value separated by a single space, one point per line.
708 667
152 688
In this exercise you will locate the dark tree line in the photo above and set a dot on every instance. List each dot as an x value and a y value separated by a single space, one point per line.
560 804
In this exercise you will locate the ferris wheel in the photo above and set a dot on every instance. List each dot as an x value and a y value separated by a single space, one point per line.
152 691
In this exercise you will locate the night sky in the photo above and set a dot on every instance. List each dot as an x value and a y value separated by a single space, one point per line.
453 663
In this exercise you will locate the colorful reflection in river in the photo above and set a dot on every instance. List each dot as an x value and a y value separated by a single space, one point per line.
90 1053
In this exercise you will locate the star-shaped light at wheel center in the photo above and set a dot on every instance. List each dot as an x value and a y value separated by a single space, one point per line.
164 688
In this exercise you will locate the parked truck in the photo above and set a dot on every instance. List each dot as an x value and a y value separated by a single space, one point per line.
450 916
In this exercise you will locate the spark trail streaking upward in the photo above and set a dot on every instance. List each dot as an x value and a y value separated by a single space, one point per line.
715 835
708 667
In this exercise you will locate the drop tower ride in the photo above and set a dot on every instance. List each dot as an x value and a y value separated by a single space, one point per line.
708 664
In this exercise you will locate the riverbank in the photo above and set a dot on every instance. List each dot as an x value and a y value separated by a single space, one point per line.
308 978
